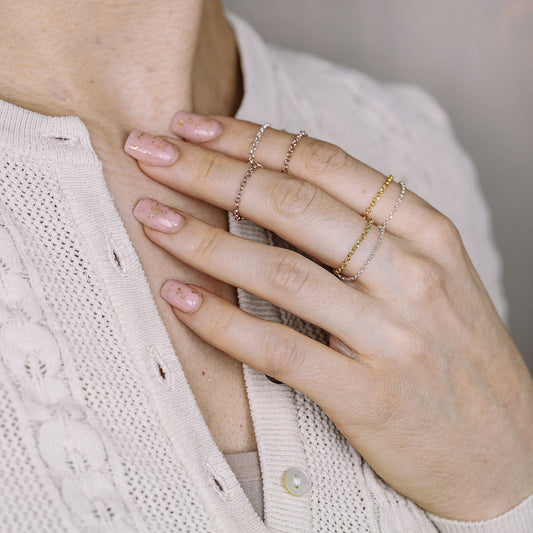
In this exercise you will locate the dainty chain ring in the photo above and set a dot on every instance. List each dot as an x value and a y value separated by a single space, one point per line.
396 205
377 196
341 267
255 142
237 203
299 136
380 238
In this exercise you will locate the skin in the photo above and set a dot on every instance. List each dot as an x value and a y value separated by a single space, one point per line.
421 375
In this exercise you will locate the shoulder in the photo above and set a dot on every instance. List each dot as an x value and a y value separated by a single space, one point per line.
395 128
330 98
345 100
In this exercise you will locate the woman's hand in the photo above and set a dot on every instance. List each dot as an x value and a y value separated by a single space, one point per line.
421 375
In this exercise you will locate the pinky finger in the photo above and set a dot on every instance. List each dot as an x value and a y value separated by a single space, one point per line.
319 372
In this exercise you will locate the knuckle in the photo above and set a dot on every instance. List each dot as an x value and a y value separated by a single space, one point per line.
208 245
293 197
283 354
409 347
325 158
427 280
431 278
221 327
209 169
287 274
445 232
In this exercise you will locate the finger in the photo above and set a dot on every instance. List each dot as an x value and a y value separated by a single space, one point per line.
324 375
345 178
283 277
298 211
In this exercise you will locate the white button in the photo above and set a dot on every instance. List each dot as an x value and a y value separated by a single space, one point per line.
296 481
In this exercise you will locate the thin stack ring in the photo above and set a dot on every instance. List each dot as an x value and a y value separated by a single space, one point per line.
377 196
252 167
255 143
299 136
237 202
382 228
340 268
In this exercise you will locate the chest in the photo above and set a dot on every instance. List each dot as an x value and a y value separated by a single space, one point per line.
215 379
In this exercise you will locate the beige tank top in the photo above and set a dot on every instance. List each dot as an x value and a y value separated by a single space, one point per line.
245 466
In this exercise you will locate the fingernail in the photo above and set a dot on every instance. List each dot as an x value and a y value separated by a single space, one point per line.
157 216
195 128
181 296
150 150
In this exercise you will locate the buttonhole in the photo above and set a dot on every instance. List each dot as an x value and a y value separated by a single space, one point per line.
116 254
218 485
117 259
159 368
161 372
71 140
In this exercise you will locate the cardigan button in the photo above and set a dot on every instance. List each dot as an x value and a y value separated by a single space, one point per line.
296 481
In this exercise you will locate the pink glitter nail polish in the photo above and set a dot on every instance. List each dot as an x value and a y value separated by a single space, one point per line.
151 150
181 296
157 216
195 128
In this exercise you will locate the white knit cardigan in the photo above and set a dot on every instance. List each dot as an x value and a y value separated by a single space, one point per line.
93 438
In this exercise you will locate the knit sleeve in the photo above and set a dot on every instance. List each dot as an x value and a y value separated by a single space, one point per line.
517 520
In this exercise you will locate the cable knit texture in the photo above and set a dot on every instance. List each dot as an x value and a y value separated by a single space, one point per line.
99 429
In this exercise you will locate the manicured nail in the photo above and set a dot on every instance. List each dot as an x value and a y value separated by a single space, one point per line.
195 128
150 150
181 296
157 216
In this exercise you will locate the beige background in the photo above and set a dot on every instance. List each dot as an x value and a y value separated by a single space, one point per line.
476 58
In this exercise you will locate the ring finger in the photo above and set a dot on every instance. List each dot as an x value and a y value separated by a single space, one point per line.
285 278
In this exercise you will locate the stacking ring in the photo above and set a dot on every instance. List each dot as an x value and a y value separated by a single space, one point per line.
255 142
382 227
377 196
300 135
358 242
244 181
252 167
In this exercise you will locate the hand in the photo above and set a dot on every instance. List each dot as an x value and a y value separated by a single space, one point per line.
420 376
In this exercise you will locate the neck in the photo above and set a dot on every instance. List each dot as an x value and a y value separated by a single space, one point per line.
125 64
118 64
